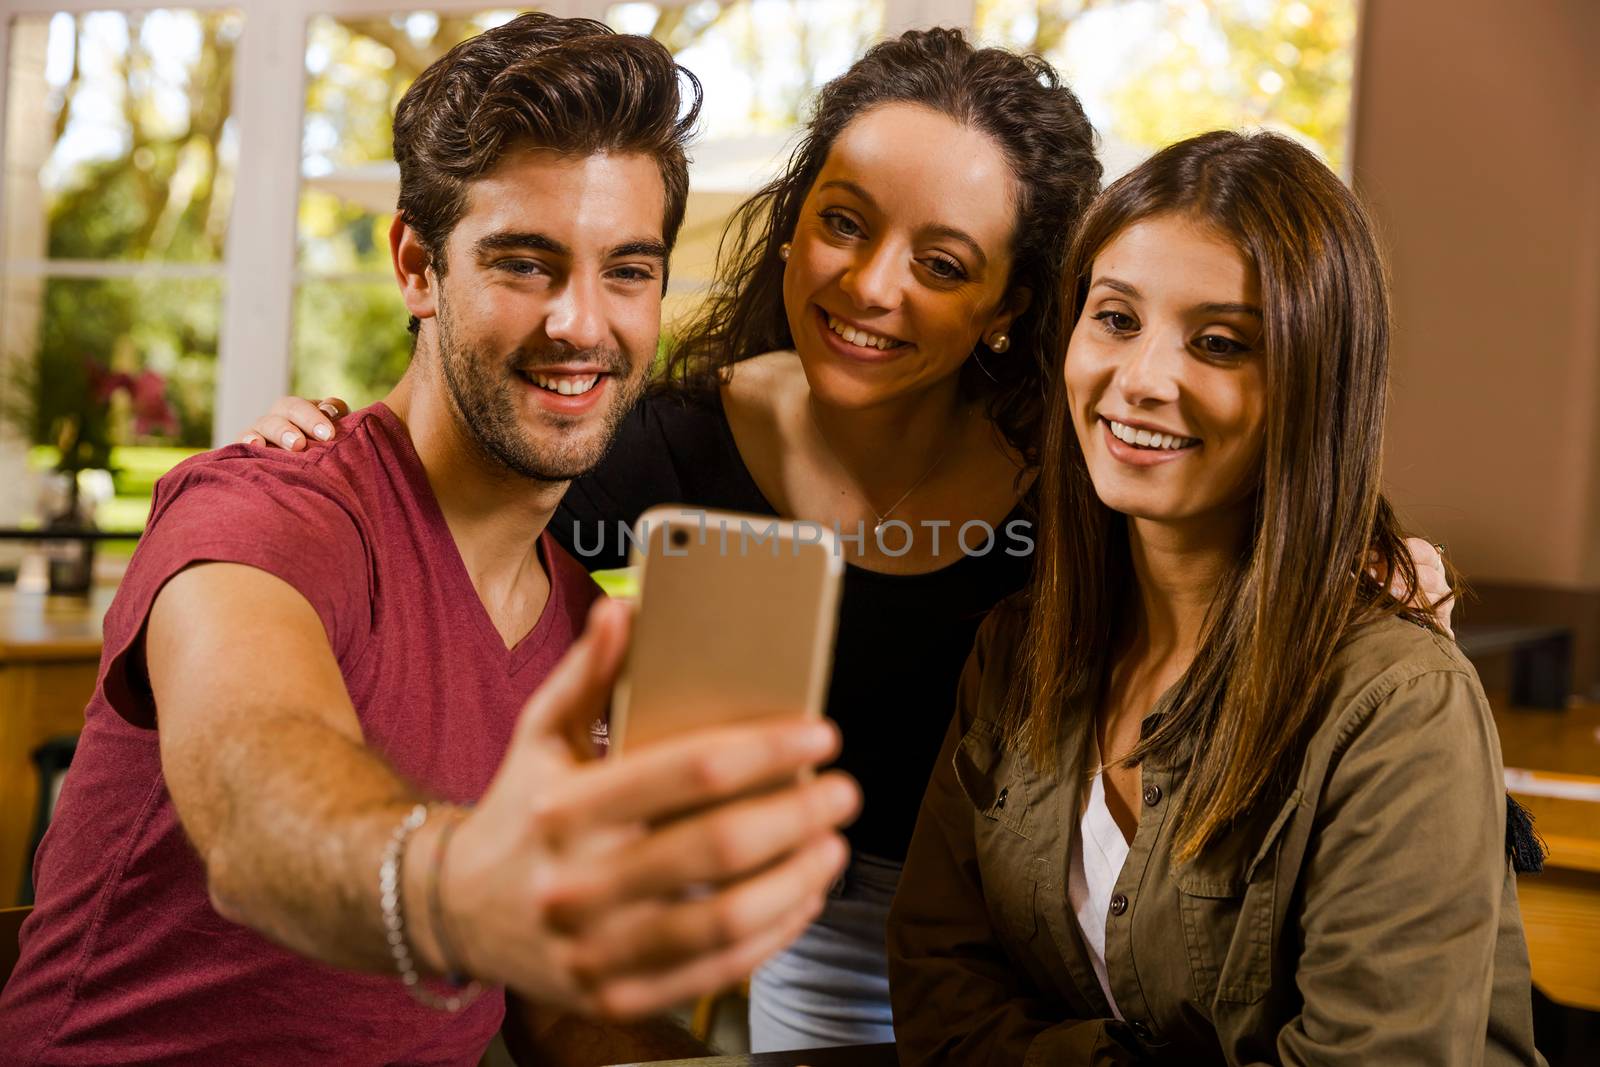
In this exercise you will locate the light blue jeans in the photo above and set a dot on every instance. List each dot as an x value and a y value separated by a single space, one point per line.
831 987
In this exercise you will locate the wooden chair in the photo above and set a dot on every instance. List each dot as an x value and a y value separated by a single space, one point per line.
10 928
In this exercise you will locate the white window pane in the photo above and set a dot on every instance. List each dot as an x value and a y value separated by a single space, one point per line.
119 142
760 61
117 361
349 324
350 340
121 153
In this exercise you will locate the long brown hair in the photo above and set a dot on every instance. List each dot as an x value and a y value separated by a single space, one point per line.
1246 706
1040 127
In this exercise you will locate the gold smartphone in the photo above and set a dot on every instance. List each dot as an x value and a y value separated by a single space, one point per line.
736 621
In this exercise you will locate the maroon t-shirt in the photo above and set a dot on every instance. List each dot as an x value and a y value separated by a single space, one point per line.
124 959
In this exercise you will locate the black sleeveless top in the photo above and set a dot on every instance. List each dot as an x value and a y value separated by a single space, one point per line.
903 639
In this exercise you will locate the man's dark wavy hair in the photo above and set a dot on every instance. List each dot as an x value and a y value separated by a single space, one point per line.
571 85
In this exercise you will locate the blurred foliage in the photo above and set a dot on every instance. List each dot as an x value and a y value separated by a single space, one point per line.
349 334
152 92
350 340
1029 26
155 185
166 195
338 236
164 192
136 469
761 61
1192 66
169 327
1289 66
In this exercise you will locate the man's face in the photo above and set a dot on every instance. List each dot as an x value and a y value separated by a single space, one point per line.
549 312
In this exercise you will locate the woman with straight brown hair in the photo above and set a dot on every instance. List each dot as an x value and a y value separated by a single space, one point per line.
1213 793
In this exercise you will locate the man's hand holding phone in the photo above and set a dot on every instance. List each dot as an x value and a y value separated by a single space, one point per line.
583 884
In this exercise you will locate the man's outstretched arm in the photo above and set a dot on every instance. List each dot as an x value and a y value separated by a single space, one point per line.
572 882
265 761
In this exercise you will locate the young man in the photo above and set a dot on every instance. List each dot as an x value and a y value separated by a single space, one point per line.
243 833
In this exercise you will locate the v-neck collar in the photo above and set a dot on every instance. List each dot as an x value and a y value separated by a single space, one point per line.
452 575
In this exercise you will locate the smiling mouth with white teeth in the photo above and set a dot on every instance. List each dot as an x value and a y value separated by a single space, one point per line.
565 384
1155 442
861 338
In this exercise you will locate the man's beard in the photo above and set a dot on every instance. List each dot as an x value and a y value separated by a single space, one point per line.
485 391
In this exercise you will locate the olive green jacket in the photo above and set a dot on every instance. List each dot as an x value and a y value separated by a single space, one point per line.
1369 918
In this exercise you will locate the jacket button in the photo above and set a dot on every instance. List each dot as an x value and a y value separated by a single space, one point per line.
1140 1030
1152 795
1000 801
1119 904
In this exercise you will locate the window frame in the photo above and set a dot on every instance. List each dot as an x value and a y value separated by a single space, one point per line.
259 269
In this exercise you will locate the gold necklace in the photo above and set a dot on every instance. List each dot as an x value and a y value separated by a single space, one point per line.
880 517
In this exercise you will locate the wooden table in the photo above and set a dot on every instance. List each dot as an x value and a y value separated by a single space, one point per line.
49 657
1553 752
847 1056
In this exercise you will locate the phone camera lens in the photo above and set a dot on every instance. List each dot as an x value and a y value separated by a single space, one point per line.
680 538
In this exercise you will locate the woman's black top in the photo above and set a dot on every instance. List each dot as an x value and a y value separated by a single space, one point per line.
903 639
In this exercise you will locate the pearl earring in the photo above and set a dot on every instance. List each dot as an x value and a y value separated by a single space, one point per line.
999 343
783 251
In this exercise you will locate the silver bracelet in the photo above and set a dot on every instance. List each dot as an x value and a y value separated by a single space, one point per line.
394 923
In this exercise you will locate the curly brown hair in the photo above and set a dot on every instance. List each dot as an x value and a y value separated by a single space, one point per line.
1017 100
572 85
